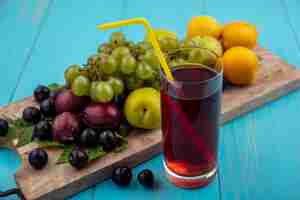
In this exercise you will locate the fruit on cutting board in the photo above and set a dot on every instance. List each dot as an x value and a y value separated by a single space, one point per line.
78 158
117 89
167 39
47 107
66 101
206 42
240 65
42 130
81 86
204 26
71 73
160 33
204 49
31 115
239 34
108 140
104 92
41 93
88 138
142 108
66 126
38 158
101 115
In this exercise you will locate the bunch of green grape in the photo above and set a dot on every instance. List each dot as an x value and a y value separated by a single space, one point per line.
118 66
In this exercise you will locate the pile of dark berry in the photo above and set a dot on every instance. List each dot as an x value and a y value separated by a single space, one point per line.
67 119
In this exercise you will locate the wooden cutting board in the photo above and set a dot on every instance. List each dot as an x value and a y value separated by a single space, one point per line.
276 78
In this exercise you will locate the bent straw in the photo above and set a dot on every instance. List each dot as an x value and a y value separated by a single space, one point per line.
152 37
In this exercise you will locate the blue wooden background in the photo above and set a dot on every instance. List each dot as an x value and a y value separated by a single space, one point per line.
259 152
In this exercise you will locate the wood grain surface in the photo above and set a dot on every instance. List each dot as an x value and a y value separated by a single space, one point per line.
275 79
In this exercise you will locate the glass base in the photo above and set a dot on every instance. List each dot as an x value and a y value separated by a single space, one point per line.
190 182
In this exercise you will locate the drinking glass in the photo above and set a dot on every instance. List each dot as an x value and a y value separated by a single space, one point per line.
190 106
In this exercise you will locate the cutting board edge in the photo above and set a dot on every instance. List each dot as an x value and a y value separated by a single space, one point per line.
89 180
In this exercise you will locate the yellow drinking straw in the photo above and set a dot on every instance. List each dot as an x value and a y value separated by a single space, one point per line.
152 37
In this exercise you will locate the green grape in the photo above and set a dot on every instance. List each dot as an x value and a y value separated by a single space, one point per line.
173 63
130 44
104 92
132 82
156 84
93 90
81 86
143 47
167 43
71 73
128 64
180 61
144 71
117 85
172 43
105 48
120 52
177 61
183 43
202 56
151 59
109 65
117 39
183 54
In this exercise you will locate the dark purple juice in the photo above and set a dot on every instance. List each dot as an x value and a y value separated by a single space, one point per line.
190 121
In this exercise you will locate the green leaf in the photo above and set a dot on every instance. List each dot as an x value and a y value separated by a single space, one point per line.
121 147
14 121
19 133
55 87
50 144
24 135
12 133
95 153
20 123
64 156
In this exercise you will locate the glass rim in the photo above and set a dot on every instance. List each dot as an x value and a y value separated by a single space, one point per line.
184 65
218 73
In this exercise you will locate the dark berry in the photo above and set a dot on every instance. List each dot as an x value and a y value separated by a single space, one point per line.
78 158
47 108
43 130
3 127
41 93
146 178
38 158
124 128
108 140
88 138
31 115
122 176
53 95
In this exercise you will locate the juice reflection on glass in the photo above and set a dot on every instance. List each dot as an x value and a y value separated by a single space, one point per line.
190 123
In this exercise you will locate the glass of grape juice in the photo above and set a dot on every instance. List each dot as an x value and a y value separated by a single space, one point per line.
190 106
